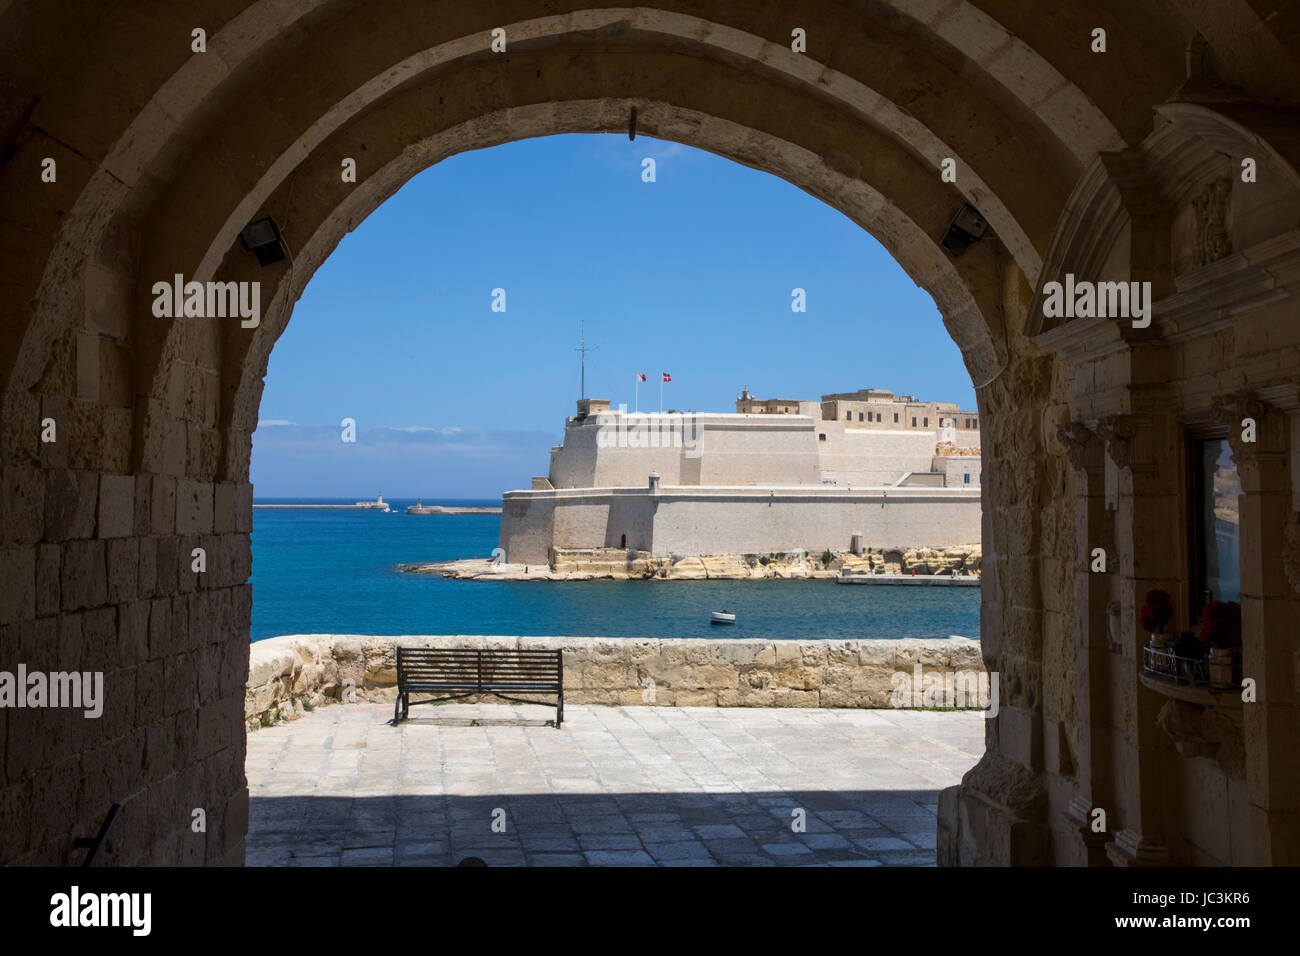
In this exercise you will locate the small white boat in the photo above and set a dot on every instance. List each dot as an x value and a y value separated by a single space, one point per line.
722 617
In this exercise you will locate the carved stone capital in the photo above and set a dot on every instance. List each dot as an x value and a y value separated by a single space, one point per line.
1232 407
1079 443
1259 436
1118 432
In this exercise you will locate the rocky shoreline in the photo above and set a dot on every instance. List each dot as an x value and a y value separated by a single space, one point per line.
616 564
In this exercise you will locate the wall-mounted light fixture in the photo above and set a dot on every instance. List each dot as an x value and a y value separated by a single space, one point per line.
967 226
262 238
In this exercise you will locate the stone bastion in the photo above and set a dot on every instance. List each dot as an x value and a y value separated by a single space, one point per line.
294 673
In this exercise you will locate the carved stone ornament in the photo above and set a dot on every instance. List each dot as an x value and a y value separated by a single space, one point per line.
1232 407
1211 210
1076 437
1118 432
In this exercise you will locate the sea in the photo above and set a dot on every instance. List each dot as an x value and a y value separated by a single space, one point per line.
336 572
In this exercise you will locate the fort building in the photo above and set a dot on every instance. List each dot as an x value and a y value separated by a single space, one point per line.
775 480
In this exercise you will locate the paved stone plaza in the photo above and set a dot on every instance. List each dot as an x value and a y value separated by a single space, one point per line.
694 786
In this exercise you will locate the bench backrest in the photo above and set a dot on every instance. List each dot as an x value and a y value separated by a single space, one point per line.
467 667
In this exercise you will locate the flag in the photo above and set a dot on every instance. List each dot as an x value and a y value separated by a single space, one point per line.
640 376
667 377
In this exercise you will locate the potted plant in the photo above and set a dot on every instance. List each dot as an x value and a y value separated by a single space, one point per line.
1221 633
1157 611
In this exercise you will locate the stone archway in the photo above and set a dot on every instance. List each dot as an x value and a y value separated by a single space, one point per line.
164 154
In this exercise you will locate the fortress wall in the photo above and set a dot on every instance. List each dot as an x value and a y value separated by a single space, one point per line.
631 467
581 522
685 521
526 528
766 453
874 457
611 450
574 464
743 523
631 515
614 451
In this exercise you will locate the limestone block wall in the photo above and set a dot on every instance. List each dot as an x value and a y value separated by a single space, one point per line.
615 450
581 518
864 456
631 522
573 464
104 584
693 521
752 520
527 527
763 452
285 672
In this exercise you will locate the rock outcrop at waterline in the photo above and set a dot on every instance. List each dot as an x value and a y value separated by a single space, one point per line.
616 564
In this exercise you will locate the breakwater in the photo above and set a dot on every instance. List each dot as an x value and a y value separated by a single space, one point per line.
359 506
418 509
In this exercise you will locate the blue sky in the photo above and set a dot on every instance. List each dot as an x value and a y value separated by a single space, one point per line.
691 274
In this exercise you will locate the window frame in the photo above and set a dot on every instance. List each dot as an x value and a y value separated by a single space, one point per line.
1194 437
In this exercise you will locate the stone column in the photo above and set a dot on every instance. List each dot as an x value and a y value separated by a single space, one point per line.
1094 528
1142 484
1270 628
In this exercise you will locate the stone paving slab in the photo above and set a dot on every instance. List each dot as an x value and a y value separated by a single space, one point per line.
616 786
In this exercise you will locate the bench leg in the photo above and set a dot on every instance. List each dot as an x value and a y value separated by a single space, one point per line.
559 711
397 710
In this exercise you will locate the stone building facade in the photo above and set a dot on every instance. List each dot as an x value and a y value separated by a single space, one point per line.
1146 142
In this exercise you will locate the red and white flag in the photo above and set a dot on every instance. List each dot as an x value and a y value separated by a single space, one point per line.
667 377
640 376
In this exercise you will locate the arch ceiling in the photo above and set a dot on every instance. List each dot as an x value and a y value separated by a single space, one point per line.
179 150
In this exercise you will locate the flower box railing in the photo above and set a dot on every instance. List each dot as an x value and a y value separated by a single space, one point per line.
1175 668
1217 670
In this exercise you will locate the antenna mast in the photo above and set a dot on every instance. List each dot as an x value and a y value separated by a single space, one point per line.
583 350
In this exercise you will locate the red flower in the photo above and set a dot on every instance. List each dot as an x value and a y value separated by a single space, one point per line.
1221 624
1157 611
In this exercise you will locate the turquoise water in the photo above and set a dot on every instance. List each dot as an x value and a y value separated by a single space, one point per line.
332 572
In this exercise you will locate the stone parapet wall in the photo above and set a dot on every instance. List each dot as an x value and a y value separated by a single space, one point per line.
286 673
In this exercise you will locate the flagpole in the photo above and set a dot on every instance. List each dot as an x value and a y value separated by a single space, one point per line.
637 378
661 393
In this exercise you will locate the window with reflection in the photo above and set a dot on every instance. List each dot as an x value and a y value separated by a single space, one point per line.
1216 524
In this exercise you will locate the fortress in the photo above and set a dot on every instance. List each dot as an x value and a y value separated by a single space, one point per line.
851 472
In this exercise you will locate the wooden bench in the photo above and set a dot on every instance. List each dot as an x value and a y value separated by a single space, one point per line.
457 672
